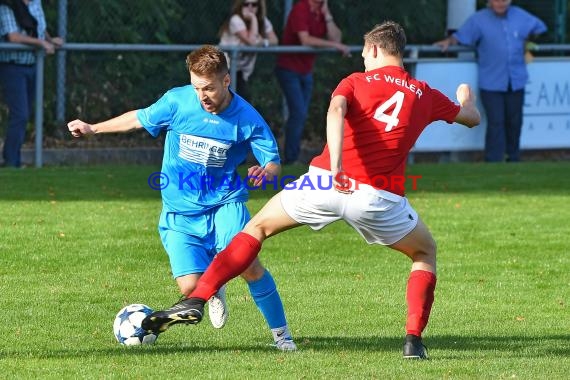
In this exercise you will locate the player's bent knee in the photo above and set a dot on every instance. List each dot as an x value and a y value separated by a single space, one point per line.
431 247
256 228
254 272
427 252
187 289
187 283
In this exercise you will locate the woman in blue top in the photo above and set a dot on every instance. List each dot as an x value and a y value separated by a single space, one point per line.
499 33
209 132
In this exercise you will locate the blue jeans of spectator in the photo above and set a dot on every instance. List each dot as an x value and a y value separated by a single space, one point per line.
504 110
18 83
297 89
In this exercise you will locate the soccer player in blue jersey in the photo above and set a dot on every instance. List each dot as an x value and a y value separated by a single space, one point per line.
209 131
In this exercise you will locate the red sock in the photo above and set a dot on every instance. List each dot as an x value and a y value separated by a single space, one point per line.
419 295
229 263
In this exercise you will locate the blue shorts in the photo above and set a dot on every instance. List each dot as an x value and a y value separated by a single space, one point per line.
192 241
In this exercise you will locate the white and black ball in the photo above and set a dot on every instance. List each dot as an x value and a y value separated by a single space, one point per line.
127 325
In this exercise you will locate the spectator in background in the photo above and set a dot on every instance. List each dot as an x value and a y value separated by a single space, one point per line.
23 22
310 23
247 25
499 33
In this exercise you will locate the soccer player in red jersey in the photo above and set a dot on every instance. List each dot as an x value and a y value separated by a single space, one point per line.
373 120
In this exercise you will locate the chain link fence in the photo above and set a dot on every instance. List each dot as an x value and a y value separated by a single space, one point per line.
103 84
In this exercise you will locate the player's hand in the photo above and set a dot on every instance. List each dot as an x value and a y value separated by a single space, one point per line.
79 128
465 94
341 182
257 175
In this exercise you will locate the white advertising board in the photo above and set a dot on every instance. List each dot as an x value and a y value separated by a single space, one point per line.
546 120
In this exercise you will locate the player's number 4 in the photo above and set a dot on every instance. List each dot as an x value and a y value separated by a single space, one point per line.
391 120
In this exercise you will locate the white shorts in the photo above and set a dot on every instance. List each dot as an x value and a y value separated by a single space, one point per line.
379 216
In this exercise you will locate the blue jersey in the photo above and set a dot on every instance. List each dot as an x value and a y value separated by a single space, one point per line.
202 150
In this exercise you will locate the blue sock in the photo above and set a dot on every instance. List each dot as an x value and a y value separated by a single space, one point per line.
266 297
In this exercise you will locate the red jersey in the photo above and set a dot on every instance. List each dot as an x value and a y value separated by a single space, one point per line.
387 112
301 19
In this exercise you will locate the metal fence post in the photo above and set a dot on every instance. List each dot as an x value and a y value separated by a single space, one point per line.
560 17
284 108
60 62
233 68
39 106
413 62
286 9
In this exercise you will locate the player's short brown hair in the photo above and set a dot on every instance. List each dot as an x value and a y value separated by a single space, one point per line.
207 60
389 37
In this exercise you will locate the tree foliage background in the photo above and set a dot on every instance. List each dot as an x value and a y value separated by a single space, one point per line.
100 85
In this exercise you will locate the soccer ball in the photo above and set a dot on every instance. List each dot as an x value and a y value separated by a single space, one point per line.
127 325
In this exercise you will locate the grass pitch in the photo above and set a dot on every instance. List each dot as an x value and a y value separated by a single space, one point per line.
77 244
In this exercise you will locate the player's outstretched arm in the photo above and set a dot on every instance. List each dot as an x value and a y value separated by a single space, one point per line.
125 123
469 114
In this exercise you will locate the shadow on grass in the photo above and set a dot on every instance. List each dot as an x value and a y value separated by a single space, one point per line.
504 346
461 346
100 183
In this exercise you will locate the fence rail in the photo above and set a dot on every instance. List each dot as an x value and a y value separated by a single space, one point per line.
413 56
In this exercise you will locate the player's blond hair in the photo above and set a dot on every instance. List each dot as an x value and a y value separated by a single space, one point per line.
389 36
207 60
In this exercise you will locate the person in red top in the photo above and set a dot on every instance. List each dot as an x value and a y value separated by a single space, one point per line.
373 120
309 23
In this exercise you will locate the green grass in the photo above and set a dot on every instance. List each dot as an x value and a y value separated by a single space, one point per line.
77 244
